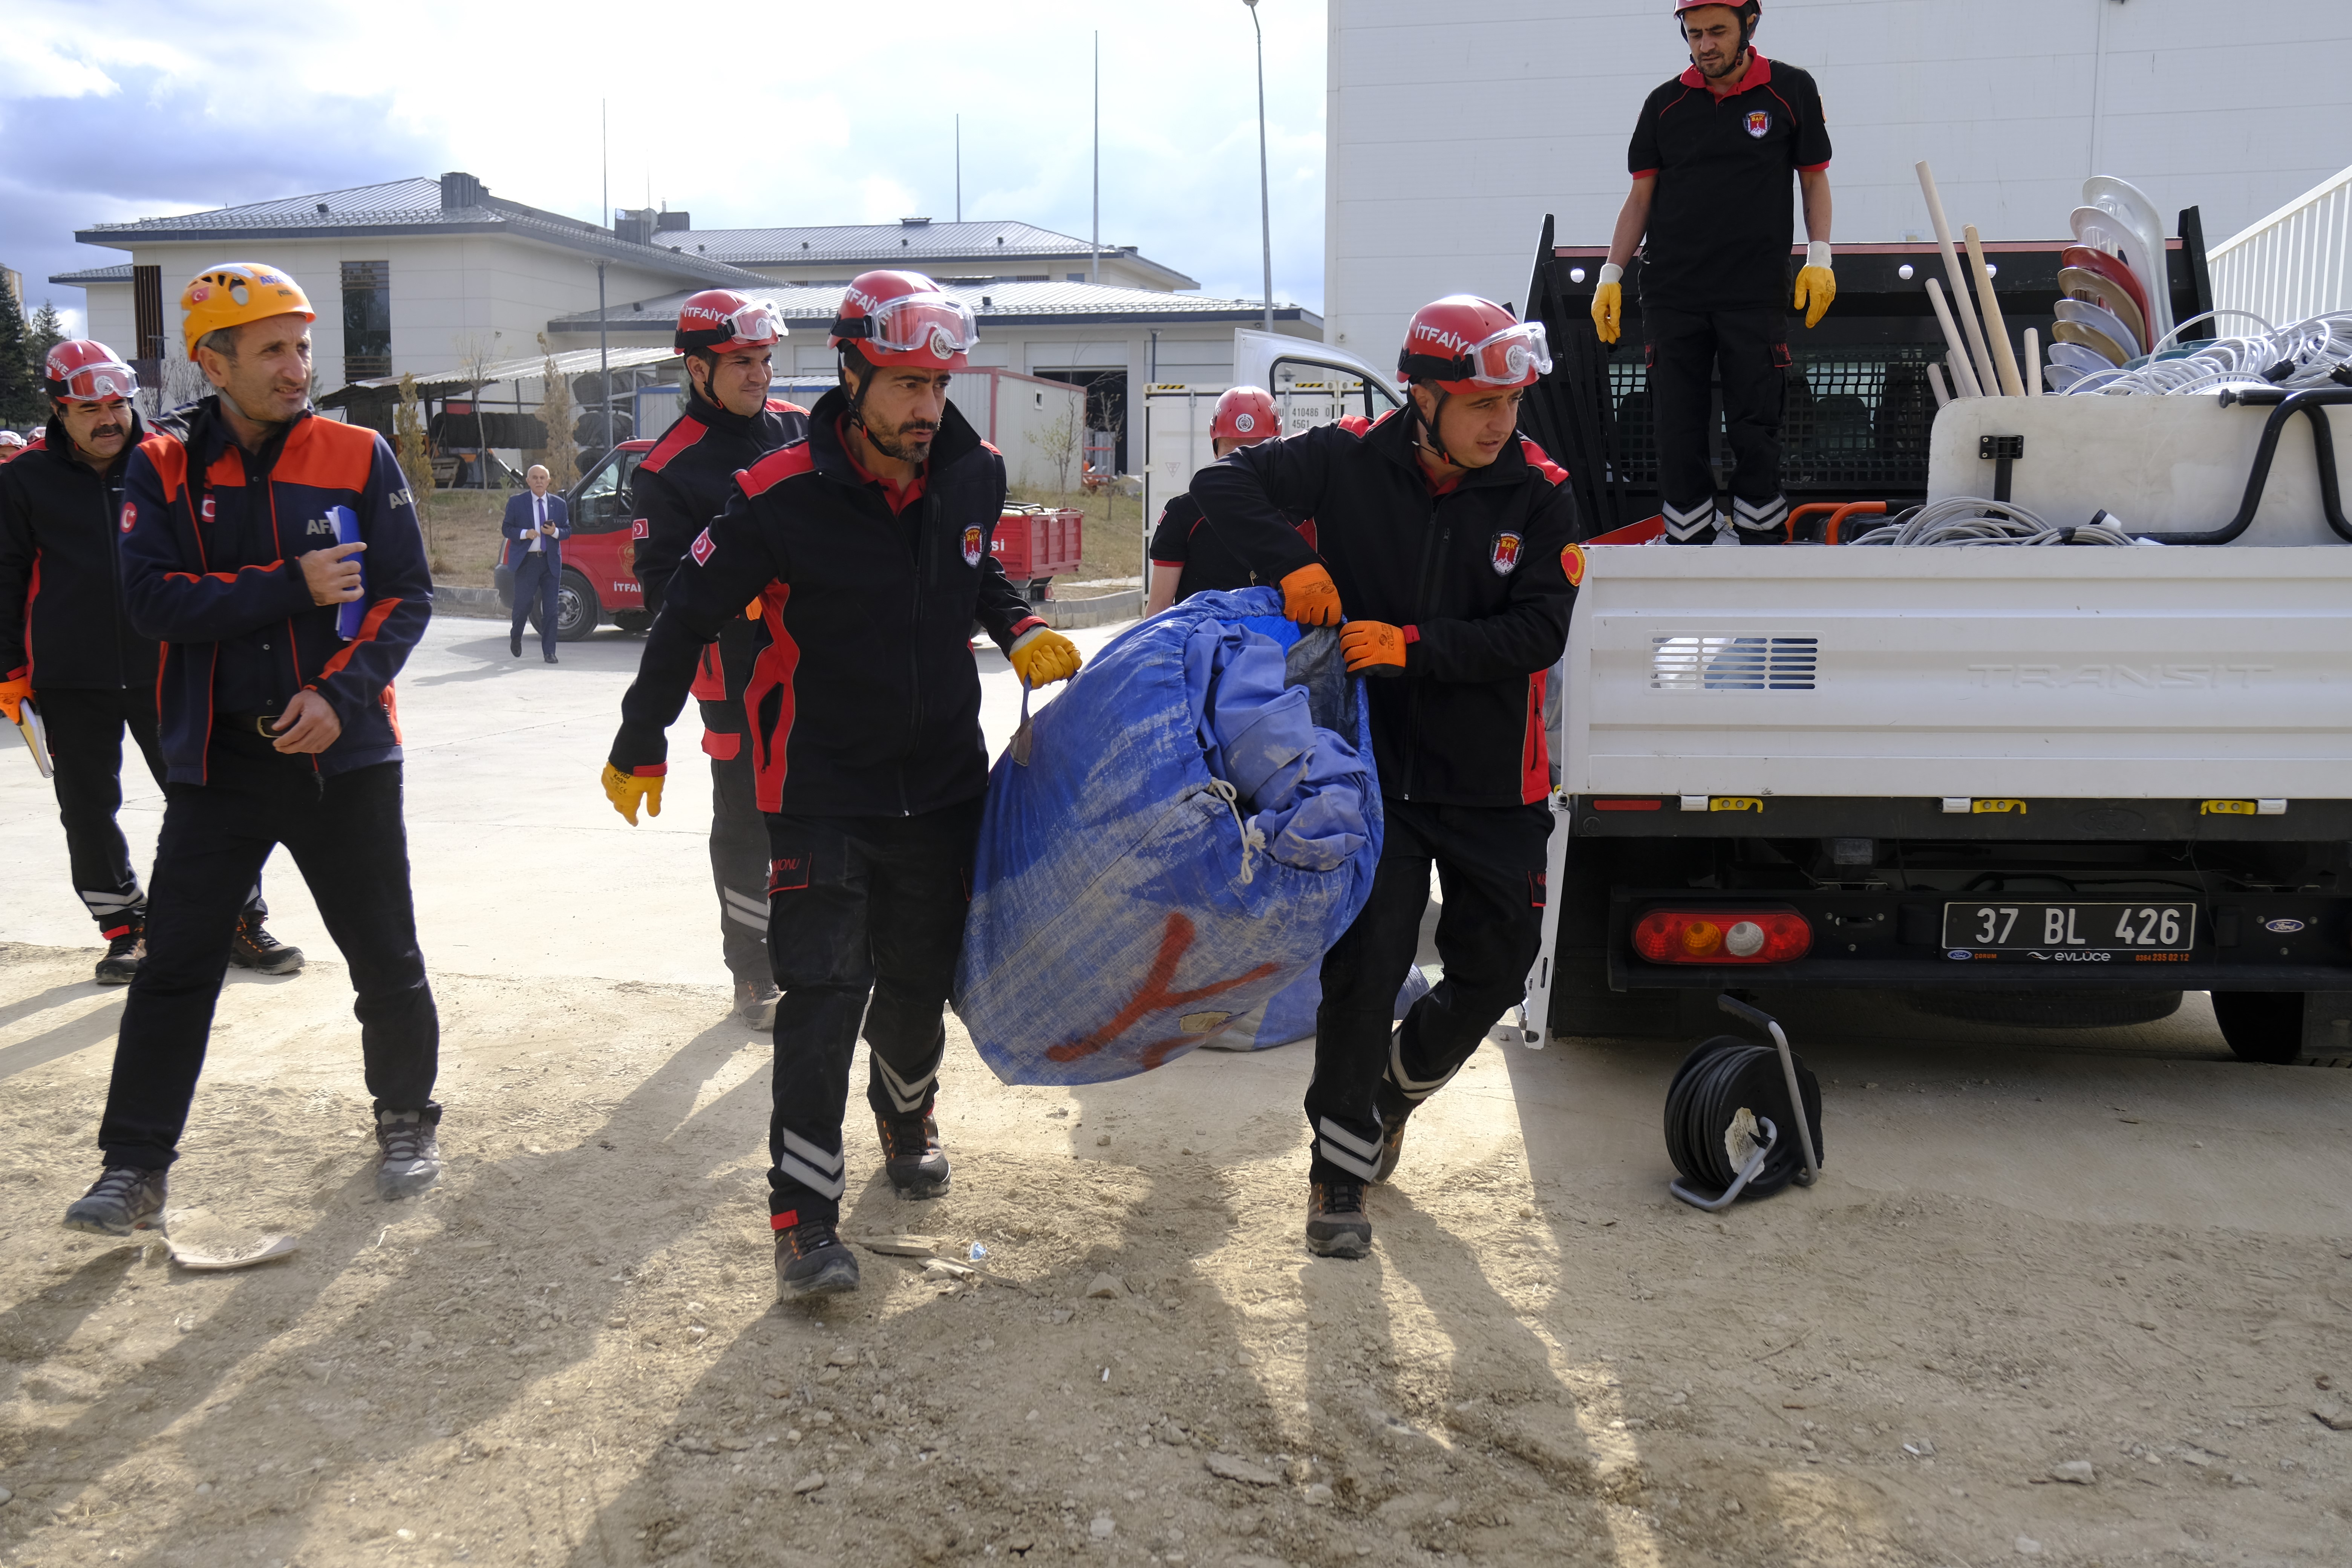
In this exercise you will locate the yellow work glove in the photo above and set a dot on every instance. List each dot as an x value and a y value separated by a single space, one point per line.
1609 303
1310 598
13 692
1041 657
626 790
1816 284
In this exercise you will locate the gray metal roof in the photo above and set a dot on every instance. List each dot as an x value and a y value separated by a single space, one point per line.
397 206
888 244
571 362
1007 304
119 273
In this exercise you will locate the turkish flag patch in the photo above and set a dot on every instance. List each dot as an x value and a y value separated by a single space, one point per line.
208 508
702 549
1503 555
637 529
130 516
789 873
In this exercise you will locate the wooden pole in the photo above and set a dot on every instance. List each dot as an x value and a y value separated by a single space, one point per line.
1996 329
1956 280
1962 377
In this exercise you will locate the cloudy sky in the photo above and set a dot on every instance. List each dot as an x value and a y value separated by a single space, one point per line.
794 114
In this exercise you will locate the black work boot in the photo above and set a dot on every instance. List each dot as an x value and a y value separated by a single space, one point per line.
755 1003
1337 1225
911 1155
254 948
411 1146
124 1199
126 944
812 1261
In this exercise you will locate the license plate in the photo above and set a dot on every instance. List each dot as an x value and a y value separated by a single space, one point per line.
2018 925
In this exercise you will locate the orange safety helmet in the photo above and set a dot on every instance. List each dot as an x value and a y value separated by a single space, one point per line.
1247 414
234 293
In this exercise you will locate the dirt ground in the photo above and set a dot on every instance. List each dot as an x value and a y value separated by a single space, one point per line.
2112 1248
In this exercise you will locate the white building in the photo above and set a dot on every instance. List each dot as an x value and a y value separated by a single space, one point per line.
1452 130
411 275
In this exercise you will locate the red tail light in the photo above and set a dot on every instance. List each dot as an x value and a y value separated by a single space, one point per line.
1723 936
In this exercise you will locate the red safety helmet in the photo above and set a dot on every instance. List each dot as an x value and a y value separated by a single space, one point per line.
1749 7
1247 414
84 370
720 320
904 319
1464 346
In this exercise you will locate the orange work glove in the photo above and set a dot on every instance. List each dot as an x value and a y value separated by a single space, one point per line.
1310 598
13 692
1372 648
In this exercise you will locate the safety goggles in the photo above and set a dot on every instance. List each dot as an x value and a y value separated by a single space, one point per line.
97 383
913 321
1512 357
755 324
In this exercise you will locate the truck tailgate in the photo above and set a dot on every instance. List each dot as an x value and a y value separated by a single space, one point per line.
2141 673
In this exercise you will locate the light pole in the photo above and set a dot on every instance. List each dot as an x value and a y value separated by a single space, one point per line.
1264 207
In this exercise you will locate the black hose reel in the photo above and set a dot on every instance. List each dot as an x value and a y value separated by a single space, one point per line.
1730 1115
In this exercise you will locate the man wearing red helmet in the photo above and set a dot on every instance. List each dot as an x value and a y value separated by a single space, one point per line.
64 633
867 546
1712 156
729 341
1443 538
1186 558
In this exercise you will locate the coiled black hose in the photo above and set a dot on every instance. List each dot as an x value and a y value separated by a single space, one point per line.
1715 1082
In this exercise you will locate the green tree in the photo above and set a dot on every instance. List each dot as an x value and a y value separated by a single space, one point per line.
22 403
47 333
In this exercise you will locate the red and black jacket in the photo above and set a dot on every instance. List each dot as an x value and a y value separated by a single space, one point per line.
1478 577
682 484
866 701
62 623
210 536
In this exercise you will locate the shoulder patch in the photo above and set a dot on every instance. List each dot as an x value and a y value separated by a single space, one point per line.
676 439
1540 461
702 549
775 467
1571 564
327 453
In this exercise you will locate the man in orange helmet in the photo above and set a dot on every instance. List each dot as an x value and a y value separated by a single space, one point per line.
1443 555
867 545
241 540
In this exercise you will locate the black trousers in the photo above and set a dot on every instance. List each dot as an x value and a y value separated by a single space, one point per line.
85 731
348 838
536 578
738 860
1686 352
1490 864
858 906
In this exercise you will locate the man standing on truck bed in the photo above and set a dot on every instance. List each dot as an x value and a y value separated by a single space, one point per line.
1445 534
866 545
1186 557
1711 157
66 644
730 423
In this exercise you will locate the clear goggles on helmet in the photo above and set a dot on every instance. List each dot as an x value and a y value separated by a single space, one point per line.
97 383
914 322
1512 357
754 325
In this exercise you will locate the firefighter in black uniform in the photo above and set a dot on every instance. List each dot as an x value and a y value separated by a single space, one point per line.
67 641
1445 534
1186 557
1711 158
867 546
730 423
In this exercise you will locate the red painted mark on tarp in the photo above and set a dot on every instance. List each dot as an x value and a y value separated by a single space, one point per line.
1153 997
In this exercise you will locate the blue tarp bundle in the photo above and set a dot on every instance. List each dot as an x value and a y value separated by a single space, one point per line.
1289 1014
1197 823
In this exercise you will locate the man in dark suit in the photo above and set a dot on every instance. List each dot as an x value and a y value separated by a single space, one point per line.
536 525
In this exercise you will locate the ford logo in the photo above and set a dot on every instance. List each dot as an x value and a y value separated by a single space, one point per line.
2282 927
1958 953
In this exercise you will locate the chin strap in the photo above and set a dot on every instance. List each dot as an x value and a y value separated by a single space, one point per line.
1434 442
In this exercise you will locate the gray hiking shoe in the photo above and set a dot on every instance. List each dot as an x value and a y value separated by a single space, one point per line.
124 1199
411 1152
1337 1225
812 1261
